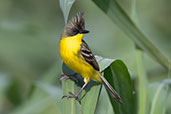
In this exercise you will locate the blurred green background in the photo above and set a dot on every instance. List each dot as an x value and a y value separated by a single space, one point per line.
30 65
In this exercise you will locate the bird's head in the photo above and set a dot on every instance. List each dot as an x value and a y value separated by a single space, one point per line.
75 26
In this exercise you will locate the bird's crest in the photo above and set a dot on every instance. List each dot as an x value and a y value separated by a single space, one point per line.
74 26
78 21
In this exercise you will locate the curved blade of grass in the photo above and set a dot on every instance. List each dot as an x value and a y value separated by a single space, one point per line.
118 76
65 6
160 98
154 104
120 18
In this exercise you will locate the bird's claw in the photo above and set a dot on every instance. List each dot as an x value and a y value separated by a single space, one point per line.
65 77
72 96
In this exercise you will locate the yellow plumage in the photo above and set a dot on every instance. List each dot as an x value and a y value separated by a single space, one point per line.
69 51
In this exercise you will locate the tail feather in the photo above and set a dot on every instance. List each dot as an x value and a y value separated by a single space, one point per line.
112 92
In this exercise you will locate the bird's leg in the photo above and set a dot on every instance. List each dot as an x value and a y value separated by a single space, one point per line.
65 77
75 95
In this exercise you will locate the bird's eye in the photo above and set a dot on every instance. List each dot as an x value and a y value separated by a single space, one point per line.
74 31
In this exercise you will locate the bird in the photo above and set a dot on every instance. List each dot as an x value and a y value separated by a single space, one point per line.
77 55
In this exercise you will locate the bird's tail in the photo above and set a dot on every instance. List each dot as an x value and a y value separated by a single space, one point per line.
112 92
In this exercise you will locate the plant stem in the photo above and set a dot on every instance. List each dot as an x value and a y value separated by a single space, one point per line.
142 81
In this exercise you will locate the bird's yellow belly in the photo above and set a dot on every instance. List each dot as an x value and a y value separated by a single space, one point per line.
78 65
69 51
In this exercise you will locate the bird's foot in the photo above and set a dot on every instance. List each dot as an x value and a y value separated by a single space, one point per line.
65 77
72 96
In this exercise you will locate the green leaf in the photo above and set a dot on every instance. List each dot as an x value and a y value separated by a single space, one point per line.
65 7
90 99
120 18
104 62
104 106
70 106
118 76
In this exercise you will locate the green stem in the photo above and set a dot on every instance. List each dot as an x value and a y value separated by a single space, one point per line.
142 81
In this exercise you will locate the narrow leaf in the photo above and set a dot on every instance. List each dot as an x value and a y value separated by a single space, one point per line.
90 99
104 106
65 6
143 101
118 76
120 18
160 97
70 105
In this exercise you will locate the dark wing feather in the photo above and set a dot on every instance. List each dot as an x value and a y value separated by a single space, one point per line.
88 55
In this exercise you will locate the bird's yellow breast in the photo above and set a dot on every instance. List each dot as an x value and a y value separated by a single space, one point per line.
69 51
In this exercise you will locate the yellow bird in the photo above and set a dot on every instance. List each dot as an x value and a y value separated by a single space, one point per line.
77 55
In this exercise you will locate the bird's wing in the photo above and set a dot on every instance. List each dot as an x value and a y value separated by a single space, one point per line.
88 55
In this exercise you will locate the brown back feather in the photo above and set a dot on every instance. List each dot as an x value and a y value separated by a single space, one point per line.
88 55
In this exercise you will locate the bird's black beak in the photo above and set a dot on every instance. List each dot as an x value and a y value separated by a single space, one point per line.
84 32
